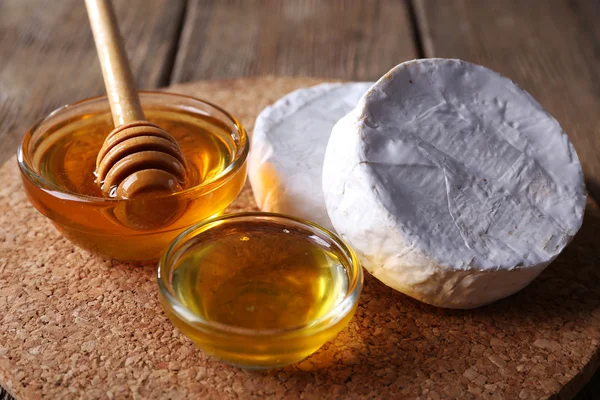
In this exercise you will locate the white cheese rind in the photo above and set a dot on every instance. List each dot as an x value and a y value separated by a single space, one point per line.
453 185
288 146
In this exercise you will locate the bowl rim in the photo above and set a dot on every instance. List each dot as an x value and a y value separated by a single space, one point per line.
203 188
190 318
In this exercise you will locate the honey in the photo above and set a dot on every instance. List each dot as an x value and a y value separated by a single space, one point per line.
58 159
275 290
260 279
70 161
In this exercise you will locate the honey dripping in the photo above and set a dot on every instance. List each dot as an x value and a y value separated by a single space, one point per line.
260 279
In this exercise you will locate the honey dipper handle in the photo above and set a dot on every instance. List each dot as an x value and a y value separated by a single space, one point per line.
118 79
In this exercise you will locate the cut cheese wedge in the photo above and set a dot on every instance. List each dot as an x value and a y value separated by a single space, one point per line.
453 185
288 145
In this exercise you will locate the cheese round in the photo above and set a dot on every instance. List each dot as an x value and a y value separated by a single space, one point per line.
288 145
453 185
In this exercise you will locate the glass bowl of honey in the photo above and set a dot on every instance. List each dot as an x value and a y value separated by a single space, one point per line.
259 290
57 159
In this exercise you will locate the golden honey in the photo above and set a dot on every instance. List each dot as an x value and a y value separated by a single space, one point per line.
58 159
70 161
268 289
259 279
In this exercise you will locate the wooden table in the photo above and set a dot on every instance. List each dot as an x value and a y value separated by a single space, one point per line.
549 47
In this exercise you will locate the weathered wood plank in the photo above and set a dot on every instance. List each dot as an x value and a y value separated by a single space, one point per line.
48 56
342 39
551 48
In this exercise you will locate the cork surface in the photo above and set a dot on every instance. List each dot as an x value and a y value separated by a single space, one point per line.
74 325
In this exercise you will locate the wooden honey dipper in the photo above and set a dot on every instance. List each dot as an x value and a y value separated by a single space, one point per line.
137 156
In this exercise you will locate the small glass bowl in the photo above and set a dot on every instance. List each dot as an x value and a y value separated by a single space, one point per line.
240 345
96 223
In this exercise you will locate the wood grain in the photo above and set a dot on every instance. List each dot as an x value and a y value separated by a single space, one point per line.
341 39
48 56
551 48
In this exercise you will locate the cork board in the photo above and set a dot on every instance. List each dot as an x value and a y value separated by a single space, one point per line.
74 325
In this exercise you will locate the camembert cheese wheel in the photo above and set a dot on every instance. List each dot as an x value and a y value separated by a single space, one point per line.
288 145
453 185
